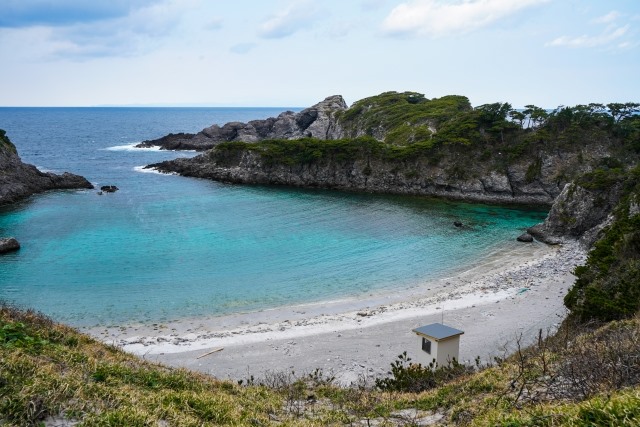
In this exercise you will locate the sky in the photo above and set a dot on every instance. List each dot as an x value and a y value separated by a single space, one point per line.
295 53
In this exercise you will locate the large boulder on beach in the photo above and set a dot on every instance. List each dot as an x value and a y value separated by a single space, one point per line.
8 244
525 237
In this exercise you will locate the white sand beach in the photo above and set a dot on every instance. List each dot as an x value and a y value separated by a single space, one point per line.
513 292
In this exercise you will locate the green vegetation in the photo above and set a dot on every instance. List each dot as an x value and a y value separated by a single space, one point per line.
608 285
415 378
48 369
6 142
579 377
401 118
394 127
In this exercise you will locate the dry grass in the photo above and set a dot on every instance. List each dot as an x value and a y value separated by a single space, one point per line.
47 369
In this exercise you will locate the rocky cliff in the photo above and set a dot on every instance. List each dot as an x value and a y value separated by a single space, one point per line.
455 172
318 121
577 213
404 143
19 180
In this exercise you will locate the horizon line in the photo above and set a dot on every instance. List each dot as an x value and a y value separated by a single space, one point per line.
149 106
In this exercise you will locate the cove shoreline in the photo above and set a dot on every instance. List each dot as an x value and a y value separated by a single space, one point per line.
517 289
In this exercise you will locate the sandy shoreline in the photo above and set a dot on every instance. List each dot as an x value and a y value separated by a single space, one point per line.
516 290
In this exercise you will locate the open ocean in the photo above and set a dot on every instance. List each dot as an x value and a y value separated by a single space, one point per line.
166 247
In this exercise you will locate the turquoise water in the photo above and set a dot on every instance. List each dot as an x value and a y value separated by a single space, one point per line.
166 247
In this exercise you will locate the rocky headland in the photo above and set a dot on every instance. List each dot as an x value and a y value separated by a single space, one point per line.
315 122
19 180
404 143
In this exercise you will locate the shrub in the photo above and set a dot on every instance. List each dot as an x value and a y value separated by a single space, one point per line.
414 378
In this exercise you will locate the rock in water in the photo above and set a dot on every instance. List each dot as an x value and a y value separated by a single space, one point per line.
109 188
457 224
526 237
8 244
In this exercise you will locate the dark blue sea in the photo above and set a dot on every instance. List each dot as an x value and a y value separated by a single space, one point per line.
166 247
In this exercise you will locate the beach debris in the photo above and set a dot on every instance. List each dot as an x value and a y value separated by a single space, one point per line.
210 352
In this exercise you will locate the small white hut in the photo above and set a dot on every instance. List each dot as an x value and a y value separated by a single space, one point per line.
439 343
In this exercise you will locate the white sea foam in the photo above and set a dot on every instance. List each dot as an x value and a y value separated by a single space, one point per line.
142 169
45 170
131 147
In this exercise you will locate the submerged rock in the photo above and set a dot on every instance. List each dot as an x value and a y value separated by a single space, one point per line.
8 244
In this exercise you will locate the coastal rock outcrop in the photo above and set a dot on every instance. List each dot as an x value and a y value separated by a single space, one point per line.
577 213
8 244
369 147
413 176
19 180
318 121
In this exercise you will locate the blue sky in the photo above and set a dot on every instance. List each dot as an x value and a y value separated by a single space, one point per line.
297 52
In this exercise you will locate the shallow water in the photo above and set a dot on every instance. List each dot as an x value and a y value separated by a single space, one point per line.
167 247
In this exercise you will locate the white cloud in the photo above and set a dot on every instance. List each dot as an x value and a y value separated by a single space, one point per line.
608 18
615 35
439 18
611 34
297 16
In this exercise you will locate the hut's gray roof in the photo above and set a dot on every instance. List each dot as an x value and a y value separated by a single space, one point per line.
438 331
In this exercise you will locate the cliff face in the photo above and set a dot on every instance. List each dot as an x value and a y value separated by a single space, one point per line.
454 172
578 213
318 121
19 180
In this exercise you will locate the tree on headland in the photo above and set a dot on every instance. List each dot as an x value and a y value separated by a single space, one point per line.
518 116
620 111
537 116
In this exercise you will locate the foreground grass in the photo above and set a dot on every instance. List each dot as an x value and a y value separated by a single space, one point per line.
47 369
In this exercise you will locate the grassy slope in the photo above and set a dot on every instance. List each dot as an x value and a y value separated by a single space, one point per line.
49 369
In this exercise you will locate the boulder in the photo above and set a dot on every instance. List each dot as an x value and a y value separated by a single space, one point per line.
8 244
525 237
109 188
